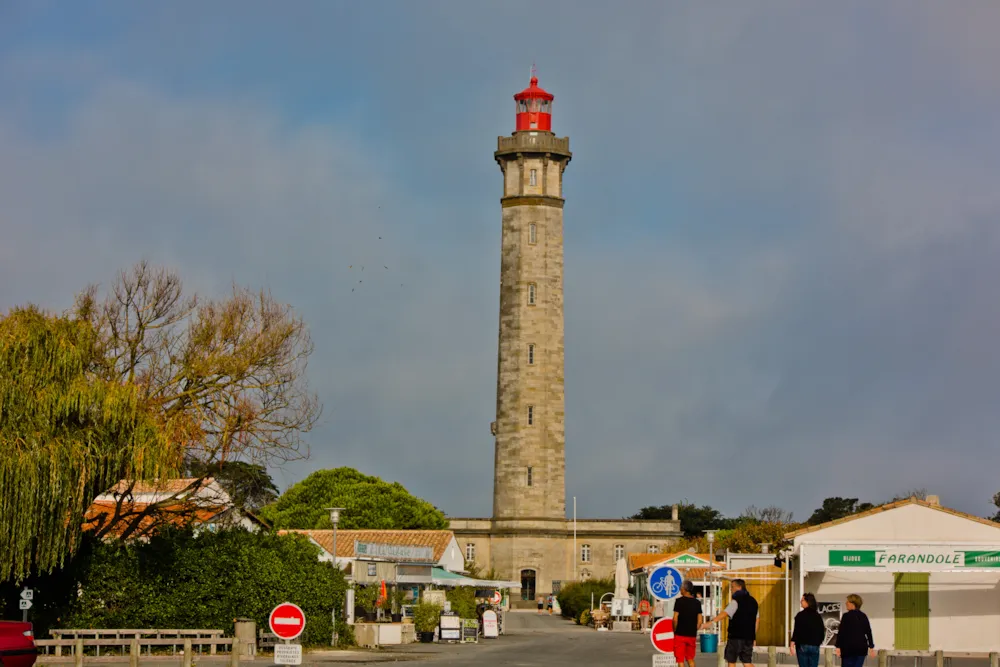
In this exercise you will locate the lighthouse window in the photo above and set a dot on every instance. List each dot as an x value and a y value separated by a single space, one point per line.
532 232
529 475
533 177
531 355
531 415
531 294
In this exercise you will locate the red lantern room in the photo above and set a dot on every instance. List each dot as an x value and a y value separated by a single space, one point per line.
534 108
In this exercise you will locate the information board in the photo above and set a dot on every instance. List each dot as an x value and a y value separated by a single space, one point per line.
470 630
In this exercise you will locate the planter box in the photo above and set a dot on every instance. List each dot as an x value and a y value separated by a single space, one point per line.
373 635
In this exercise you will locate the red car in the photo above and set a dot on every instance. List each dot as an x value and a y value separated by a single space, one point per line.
17 644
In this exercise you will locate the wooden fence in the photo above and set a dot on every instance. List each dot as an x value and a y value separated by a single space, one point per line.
78 643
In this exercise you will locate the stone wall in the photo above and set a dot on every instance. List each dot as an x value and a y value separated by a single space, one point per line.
546 547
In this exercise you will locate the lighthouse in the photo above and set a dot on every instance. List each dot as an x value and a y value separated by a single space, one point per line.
530 432
529 541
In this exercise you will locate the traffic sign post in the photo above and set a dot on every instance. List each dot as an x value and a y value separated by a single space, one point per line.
24 604
496 598
662 637
287 621
665 582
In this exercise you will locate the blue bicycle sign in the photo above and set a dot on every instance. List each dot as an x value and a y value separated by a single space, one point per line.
665 582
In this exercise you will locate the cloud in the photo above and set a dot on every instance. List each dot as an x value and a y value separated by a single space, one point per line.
781 228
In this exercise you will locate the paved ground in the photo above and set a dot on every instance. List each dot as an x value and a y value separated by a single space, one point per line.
531 640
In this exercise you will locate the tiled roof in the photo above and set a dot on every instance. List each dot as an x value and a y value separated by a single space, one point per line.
158 485
635 561
179 514
887 507
436 539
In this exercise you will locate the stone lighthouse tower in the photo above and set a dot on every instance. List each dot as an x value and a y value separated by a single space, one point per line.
530 463
528 540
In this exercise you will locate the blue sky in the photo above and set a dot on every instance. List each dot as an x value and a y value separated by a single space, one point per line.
782 224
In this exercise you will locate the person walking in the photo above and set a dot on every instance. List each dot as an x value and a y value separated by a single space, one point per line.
644 614
687 619
808 632
743 613
541 604
854 637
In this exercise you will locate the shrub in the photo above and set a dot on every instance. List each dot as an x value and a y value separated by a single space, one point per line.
584 618
426 617
463 601
575 597
181 580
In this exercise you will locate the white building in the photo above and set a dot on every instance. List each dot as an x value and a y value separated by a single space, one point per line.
929 576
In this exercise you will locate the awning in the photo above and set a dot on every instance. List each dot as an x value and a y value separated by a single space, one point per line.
442 577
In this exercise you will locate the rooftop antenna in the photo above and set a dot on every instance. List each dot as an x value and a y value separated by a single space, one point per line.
534 72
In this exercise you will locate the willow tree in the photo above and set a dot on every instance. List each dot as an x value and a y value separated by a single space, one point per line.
225 377
66 434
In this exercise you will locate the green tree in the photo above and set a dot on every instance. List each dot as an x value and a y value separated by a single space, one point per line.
66 434
837 508
249 485
996 503
694 520
369 502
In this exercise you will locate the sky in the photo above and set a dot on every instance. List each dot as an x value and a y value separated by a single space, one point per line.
782 224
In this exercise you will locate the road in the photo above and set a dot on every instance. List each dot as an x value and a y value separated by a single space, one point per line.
531 639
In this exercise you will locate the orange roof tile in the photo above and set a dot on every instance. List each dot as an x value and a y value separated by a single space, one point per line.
438 540
636 561
179 514
157 485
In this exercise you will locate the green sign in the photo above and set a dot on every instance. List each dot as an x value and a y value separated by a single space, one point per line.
982 559
686 559
918 558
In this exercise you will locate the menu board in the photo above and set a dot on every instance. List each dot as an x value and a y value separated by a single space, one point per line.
451 627
470 630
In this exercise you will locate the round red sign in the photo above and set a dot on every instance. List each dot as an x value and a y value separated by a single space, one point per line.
662 635
287 621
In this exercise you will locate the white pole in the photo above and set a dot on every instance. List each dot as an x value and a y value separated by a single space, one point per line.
575 577
788 598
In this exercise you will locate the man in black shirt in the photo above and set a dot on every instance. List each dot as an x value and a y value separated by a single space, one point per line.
744 617
687 618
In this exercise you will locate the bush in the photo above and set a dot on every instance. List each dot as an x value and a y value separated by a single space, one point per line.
575 597
426 617
463 601
584 617
181 580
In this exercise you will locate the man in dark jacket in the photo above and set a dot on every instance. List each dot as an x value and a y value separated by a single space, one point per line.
744 618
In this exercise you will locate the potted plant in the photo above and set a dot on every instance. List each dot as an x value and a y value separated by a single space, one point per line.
366 597
398 598
426 617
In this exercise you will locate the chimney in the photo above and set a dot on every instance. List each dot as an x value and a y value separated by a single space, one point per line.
675 513
933 500
765 548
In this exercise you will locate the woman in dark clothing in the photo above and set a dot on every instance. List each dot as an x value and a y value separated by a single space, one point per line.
854 637
808 633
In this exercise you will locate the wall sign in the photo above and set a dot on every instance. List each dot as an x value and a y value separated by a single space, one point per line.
392 551
902 558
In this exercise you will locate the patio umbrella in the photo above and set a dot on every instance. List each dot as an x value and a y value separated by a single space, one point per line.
621 579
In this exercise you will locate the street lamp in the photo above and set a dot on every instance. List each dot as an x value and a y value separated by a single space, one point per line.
335 519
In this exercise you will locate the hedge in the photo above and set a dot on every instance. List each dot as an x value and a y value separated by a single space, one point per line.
181 580
575 597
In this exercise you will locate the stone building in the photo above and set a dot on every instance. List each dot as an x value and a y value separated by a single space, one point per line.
529 538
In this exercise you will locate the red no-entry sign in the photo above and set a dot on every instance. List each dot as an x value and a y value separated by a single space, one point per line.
287 621
662 635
